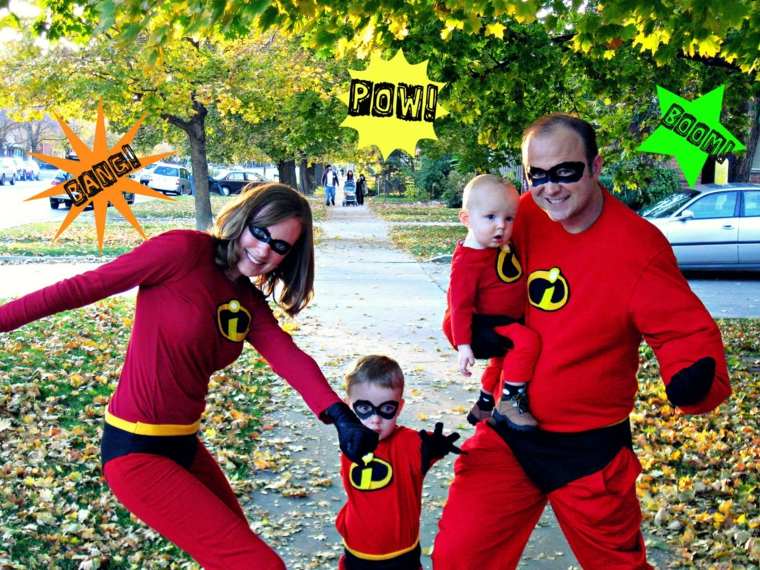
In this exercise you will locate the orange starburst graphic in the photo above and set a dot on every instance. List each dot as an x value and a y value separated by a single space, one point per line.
100 176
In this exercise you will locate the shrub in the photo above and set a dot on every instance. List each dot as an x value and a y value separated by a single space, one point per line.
640 184
453 187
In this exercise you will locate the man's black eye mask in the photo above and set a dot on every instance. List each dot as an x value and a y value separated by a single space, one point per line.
563 172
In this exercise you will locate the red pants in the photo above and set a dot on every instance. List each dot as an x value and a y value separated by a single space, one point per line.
518 363
493 507
196 509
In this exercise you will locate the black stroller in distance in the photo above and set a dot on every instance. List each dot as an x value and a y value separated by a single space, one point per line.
349 193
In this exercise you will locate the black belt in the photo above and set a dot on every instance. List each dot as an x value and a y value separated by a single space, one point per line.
117 442
407 561
553 459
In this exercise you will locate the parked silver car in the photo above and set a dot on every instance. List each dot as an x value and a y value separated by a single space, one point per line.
713 226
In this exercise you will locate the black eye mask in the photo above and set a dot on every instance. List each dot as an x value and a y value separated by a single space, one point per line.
563 172
366 409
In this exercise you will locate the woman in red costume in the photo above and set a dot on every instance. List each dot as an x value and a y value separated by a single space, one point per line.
196 305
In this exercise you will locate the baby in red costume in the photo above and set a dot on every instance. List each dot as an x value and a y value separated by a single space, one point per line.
380 522
485 299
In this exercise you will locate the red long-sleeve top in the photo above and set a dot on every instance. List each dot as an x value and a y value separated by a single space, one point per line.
190 321
475 287
592 297
382 518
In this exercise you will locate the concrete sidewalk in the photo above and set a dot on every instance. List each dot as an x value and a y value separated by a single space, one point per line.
370 298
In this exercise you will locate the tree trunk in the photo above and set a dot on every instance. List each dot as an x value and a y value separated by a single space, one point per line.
708 171
195 129
33 136
304 183
319 170
741 168
287 171
311 176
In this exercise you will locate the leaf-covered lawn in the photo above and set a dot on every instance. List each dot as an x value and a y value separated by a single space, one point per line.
55 379
425 242
699 487
414 212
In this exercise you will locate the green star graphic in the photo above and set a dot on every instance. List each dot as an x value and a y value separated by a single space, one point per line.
691 131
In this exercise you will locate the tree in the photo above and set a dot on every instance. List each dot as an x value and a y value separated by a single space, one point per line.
507 62
246 84
725 32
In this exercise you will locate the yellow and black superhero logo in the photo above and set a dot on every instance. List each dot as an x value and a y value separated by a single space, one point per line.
548 290
508 267
234 320
374 474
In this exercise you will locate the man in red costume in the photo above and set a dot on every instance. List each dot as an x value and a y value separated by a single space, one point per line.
599 279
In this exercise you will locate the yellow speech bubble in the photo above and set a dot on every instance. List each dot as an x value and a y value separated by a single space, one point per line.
99 176
392 104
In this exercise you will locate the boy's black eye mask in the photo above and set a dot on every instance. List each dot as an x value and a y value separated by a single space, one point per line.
366 409
562 172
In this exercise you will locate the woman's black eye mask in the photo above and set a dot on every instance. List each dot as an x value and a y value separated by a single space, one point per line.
366 409
563 172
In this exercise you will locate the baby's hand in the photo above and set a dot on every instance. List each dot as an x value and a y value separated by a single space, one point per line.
466 359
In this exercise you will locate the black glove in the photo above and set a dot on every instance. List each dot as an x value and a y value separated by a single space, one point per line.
356 440
436 445
692 384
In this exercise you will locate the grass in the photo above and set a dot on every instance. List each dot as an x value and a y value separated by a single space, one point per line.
182 207
56 376
415 212
425 242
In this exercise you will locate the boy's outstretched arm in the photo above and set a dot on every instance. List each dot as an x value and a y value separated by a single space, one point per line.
435 445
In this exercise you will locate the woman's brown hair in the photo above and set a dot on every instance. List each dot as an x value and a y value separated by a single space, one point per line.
267 205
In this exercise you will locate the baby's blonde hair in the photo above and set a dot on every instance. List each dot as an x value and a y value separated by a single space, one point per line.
375 369
479 182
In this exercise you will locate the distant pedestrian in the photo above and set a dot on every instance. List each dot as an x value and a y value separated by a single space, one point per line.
361 188
330 181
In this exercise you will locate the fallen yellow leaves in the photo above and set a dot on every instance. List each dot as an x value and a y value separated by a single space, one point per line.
54 384
698 488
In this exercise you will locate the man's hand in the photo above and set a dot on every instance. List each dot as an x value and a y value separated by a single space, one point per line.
466 359
691 385
356 440
436 445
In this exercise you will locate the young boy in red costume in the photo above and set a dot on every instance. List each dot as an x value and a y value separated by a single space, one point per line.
380 522
485 299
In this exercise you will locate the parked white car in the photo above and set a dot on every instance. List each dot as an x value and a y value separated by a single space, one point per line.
170 178
31 169
20 167
7 170
143 175
713 226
